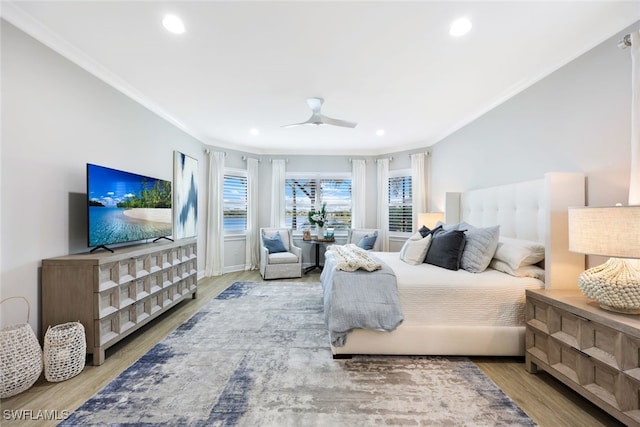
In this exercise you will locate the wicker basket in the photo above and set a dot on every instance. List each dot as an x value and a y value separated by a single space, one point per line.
20 356
65 348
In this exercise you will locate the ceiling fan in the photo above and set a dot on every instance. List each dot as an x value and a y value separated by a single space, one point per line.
318 118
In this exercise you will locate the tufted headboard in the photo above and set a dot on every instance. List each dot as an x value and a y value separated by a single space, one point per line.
532 210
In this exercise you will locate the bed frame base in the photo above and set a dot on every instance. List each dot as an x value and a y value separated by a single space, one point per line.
436 340
342 356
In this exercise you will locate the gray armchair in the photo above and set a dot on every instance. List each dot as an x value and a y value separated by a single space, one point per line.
355 235
280 265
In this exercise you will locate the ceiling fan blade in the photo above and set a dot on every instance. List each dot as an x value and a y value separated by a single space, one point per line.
335 122
318 119
315 104
315 119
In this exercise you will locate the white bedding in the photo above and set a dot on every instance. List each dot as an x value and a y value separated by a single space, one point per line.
459 298
461 315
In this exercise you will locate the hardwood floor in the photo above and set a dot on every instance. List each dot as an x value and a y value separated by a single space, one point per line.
547 401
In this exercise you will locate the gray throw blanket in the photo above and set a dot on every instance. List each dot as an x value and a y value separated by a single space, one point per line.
359 299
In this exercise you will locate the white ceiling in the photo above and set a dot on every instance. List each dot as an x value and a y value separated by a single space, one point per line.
386 65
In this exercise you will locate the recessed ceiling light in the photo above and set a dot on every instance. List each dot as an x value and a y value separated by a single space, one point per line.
173 24
254 131
460 27
380 132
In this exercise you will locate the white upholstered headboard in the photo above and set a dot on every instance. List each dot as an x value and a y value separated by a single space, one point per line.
531 210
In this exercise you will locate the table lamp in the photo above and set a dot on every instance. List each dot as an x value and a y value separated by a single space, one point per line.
614 232
430 219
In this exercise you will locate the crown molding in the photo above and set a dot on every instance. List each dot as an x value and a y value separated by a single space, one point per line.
12 13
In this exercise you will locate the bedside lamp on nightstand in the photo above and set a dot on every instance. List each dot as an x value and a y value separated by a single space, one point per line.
430 219
615 232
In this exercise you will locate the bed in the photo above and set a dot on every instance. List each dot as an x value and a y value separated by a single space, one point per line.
461 313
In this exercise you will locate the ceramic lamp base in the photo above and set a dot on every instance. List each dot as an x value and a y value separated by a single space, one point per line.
614 284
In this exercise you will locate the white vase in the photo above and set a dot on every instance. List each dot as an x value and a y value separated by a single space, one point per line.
321 232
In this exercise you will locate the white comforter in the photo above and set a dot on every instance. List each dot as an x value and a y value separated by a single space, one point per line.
437 296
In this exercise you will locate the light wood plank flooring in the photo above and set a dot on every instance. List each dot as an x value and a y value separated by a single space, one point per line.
547 401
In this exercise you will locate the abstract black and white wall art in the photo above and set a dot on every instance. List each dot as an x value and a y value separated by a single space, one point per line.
185 203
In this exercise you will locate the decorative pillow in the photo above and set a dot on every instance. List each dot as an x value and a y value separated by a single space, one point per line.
446 249
274 243
424 230
524 271
518 252
480 247
447 227
415 249
358 234
405 247
367 242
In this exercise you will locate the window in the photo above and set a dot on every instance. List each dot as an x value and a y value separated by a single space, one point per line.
303 193
235 201
400 204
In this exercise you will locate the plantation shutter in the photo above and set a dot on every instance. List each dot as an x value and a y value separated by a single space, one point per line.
300 196
400 204
303 194
235 203
338 207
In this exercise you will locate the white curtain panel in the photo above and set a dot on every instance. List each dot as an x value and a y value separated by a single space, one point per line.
634 185
252 254
214 259
277 192
383 202
358 193
419 190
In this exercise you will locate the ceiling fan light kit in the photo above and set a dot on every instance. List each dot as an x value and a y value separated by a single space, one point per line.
318 119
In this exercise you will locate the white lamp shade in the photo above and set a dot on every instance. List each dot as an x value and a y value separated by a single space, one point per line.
612 231
429 219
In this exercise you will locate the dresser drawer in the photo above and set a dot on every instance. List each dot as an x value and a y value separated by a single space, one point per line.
593 351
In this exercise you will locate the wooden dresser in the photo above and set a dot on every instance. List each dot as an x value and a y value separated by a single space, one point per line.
113 294
594 351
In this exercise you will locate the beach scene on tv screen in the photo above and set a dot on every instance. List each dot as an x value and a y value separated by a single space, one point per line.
125 207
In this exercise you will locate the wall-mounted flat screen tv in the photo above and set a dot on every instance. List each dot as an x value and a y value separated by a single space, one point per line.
126 207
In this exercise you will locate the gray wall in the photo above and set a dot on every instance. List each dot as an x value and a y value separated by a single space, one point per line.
575 120
56 117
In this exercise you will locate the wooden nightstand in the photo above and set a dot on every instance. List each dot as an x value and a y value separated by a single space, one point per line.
593 351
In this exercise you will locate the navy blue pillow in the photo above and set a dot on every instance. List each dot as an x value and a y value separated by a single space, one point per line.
367 242
274 244
424 230
446 249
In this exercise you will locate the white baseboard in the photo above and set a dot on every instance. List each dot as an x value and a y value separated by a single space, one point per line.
233 268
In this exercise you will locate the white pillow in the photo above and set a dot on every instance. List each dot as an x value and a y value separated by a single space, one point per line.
524 271
415 249
518 252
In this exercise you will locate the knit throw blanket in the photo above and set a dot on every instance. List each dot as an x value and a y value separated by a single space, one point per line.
350 257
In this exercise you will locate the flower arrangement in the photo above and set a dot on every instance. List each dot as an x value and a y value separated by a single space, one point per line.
318 216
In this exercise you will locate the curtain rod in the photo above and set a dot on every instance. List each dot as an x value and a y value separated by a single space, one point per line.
351 160
245 158
207 151
625 42
426 153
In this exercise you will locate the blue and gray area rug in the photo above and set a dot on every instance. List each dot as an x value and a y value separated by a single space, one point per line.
258 355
